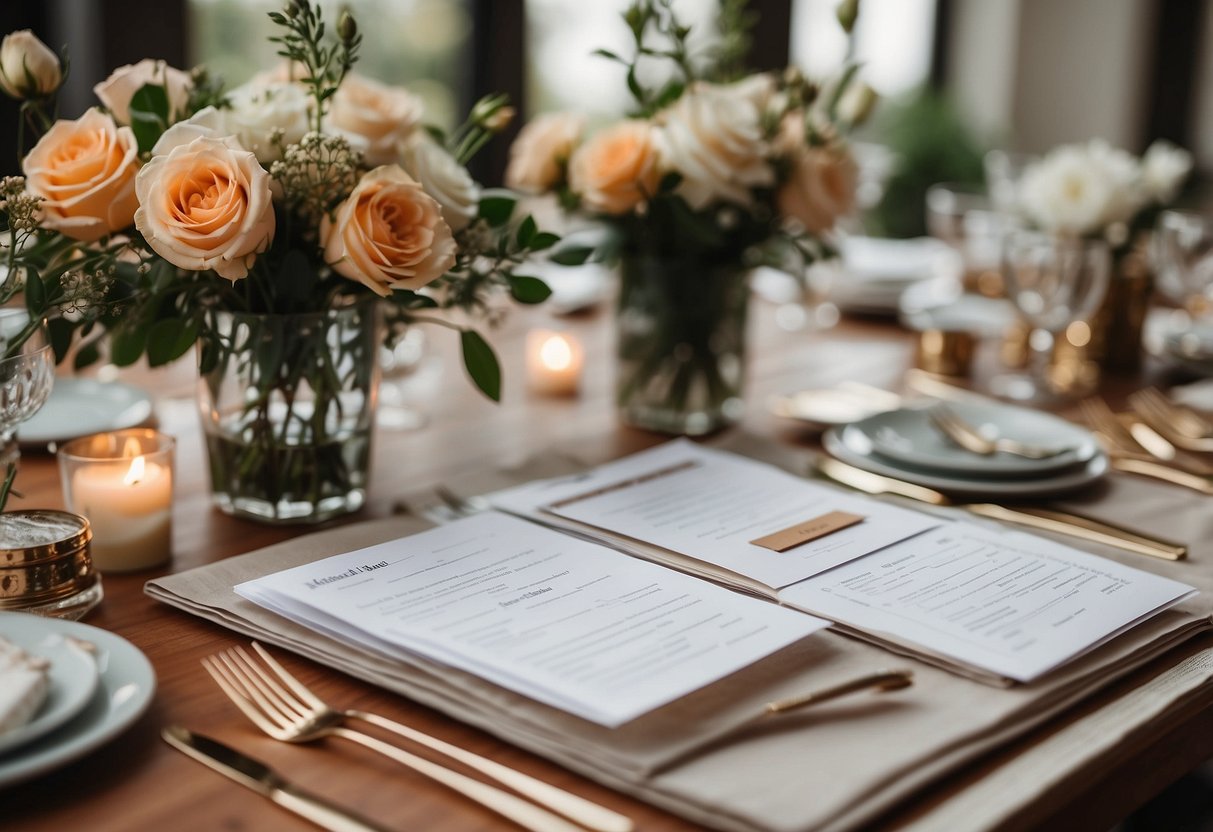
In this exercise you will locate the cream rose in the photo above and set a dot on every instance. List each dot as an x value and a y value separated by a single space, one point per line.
375 117
617 168
388 234
443 178
713 136
206 205
117 90
541 150
820 189
1081 188
28 68
1163 170
85 171
257 110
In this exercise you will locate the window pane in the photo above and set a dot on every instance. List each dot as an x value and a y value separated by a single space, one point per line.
421 44
893 41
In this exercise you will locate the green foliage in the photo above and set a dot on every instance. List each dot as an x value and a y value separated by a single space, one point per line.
149 115
931 144
303 41
481 364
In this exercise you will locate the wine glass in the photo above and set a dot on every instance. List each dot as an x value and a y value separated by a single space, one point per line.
1183 261
27 373
400 362
1053 281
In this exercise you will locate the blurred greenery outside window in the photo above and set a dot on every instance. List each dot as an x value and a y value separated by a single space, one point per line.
423 45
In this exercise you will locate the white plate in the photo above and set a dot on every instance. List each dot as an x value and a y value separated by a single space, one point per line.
82 407
967 487
127 684
873 273
72 680
943 304
908 436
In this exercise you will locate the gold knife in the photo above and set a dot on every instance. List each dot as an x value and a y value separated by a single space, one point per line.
264 780
1046 519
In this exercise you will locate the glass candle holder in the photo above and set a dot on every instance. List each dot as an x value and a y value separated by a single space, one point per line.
123 483
45 564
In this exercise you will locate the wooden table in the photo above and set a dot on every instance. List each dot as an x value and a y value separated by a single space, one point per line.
137 782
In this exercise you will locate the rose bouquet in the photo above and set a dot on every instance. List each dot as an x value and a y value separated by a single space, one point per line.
276 225
714 172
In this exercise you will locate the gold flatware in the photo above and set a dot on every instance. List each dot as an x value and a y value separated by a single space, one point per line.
262 779
1046 519
1180 425
881 682
281 715
967 436
1127 454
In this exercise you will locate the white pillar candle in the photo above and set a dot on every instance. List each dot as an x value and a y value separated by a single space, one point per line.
128 503
553 362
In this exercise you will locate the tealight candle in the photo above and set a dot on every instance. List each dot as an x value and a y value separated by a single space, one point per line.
123 483
553 362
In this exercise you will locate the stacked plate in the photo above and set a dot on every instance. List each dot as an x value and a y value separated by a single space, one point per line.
873 273
906 445
99 684
1191 347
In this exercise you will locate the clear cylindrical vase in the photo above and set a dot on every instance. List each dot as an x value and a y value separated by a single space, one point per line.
681 344
287 405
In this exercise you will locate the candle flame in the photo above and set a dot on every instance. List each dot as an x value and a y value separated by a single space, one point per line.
556 353
135 473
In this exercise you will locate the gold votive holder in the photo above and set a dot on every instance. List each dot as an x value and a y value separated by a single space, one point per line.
123 483
46 565
945 352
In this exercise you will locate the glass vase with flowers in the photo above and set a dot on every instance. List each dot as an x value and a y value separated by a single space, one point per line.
276 226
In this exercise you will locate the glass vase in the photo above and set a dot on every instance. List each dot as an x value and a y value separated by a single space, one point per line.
287 405
681 344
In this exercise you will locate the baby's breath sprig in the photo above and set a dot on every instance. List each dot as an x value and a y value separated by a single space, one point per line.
303 44
315 174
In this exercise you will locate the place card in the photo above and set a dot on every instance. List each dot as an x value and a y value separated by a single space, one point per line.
807 530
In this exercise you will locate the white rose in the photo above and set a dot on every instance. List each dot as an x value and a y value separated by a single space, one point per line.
1081 189
375 117
713 137
542 149
443 178
117 90
209 122
28 68
258 109
1163 170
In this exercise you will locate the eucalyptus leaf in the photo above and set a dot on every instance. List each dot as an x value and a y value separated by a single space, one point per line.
481 363
128 344
169 339
572 255
543 241
496 210
526 232
149 110
59 332
527 289
35 293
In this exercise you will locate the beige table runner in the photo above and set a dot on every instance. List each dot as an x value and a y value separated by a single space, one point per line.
833 768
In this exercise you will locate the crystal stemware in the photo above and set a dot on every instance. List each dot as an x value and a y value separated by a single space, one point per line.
1053 281
1183 261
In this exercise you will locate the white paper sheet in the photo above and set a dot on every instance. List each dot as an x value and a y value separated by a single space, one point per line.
570 623
1005 602
709 505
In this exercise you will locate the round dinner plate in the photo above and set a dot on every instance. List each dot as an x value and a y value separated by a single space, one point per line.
72 679
126 685
968 487
82 407
907 436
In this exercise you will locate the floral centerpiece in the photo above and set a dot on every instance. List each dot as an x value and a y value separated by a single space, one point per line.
714 171
276 225
1093 190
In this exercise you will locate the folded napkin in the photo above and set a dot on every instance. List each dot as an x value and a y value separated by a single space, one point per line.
836 766
23 686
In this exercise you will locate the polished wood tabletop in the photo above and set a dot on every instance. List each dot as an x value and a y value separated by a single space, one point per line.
137 782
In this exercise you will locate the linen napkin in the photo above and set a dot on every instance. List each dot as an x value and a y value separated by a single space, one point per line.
833 767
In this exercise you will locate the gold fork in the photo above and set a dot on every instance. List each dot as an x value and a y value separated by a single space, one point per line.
971 439
283 716
1180 425
1128 456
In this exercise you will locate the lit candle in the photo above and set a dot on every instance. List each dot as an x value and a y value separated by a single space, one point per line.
128 502
553 362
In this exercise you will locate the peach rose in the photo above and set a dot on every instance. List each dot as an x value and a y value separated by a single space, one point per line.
85 171
542 148
28 68
206 205
388 234
617 168
821 188
375 117
117 90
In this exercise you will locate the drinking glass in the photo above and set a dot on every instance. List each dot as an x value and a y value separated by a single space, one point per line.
1053 281
1183 261
1004 169
401 363
26 377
